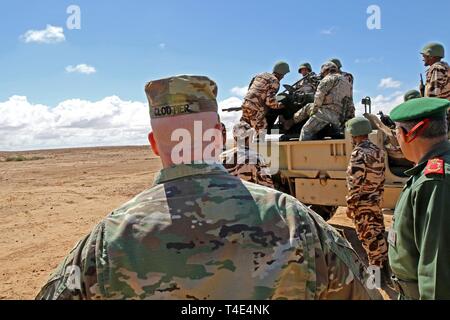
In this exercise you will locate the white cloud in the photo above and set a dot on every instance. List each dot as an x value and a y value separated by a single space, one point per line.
329 31
80 123
388 83
51 34
239 91
386 103
81 68
369 60
72 123
162 45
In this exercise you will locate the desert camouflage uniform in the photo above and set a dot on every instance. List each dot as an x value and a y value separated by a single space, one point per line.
200 233
365 182
333 104
259 99
308 84
438 81
349 77
248 165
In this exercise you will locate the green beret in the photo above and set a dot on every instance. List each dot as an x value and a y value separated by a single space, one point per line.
420 108
359 126
180 95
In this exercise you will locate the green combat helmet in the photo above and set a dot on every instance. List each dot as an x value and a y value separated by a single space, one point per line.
337 62
281 68
434 50
411 94
305 65
359 126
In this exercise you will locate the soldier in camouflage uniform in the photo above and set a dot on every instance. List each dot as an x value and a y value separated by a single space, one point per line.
243 162
346 75
438 75
308 84
261 97
333 104
365 182
200 233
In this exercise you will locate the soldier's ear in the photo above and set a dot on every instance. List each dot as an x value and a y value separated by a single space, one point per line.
152 140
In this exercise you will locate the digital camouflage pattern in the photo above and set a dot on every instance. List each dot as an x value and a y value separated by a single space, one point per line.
200 233
365 182
333 104
260 97
438 81
308 84
247 165
181 95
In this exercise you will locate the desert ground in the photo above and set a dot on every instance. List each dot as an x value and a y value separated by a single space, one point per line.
49 203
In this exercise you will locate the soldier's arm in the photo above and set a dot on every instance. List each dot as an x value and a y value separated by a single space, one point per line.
323 89
438 79
271 101
76 276
355 178
431 223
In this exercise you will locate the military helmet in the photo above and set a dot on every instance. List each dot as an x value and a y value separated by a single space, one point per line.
358 126
243 130
411 94
434 50
282 68
328 66
337 62
305 65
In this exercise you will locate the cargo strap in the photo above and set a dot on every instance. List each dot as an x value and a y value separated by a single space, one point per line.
406 289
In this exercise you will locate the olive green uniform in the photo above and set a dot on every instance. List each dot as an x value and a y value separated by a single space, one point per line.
419 243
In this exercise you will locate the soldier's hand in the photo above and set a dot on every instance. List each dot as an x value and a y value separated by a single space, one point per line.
349 213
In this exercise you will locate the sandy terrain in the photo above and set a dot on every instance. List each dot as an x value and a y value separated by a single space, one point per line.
47 205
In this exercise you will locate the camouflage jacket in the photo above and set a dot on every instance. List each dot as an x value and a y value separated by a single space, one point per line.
263 90
365 175
438 81
200 233
335 93
349 77
248 165
308 84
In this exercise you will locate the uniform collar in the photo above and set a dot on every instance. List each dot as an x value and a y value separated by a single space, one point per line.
438 150
186 170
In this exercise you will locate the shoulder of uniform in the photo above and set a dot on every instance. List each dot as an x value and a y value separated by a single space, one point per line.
435 166
439 66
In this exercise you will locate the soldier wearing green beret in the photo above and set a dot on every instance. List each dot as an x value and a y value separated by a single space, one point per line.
200 233
365 183
411 94
419 241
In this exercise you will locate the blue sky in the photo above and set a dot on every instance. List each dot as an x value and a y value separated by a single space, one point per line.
131 42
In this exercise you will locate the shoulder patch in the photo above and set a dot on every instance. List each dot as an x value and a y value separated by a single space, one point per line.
435 166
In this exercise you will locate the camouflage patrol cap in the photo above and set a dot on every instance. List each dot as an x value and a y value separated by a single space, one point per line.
328 66
282 68
359 126
181 95
337 62
411 94
305 65
434 50
419 109
243 130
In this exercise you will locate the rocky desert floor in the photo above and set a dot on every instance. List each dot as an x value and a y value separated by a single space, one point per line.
49 203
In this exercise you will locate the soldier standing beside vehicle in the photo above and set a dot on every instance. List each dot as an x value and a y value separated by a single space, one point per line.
365 183
261 97
419 241
333 104
243 162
